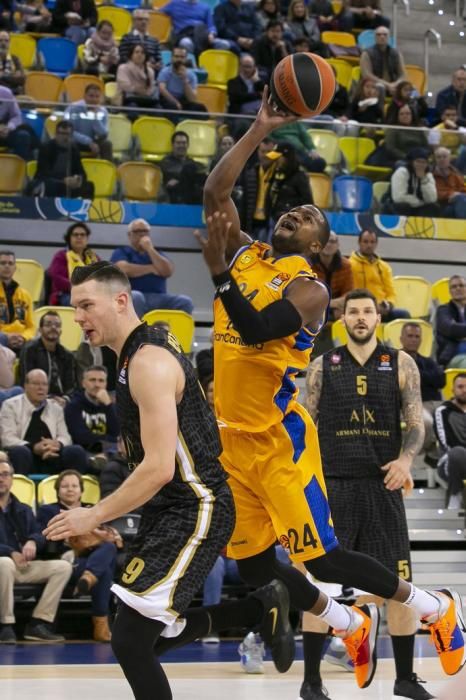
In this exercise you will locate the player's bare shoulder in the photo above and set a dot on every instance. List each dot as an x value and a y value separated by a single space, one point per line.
153 366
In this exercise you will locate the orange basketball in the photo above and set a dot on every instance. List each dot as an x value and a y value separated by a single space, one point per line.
303 84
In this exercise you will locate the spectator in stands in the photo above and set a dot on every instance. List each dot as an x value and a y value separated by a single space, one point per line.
193 26
74 19
136 79
224 145
448 133
339 106
11 70
412 187
367 14
270 48
365 106
451 190
21 542
91 417
90 123
76 254
406 94
266 11
204 361
244 94
7 375
335 270
7 14
297 135
398 142
454 94
255 180
450 326
372 273
140 35
60 172
432 379
148 271
94 553
382 62
183 177
238 23
34 433
34 16
101 55
301 24
178 84
47 353
15 136
328 19
88 355
16 319
289 186
450 428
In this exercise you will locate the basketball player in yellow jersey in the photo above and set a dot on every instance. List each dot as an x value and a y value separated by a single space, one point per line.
268 309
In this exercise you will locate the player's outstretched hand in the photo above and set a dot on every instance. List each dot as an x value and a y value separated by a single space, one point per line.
270 116
215 245
78 521
397 473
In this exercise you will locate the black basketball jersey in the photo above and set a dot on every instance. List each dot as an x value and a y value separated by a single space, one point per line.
359 413
197 469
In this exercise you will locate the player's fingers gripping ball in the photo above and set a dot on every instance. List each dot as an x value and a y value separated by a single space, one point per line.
303 84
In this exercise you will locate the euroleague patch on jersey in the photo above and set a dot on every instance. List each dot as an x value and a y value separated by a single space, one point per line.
335 359
284 541
385 363
278 280
122 375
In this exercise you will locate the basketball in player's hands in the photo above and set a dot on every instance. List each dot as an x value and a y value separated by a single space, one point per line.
303 84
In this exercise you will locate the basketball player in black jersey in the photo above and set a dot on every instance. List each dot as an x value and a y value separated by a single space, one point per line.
173 445
357 395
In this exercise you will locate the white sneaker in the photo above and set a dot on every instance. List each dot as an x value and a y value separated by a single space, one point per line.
336 654
455 502
252 653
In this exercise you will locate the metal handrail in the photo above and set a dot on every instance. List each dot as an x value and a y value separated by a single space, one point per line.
395 17
438 38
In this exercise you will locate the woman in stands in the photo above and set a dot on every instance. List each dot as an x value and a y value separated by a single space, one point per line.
300 24
136 80
406 94
268 10
365 107
398 142
94 555
101 56
76 253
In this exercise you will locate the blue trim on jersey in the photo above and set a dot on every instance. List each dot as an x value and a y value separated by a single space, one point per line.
304 340
296 429
284 395
319 507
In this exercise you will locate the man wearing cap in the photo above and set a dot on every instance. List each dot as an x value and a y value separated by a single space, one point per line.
412 187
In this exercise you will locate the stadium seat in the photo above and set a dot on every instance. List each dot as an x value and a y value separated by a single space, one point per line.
220 65
35 120
120 135
412 293
340 38
43 86
441 291
353 193
24 47
119 18
326 143
366 39
51 123
450 375
76 84
24 489
12 174
139 181
71 336
355 150
157 4
213 97
344 71
46 493
181 324
212 3
416 75
202 138
321 188
379 189
102 173
31 169
30 275
160 26
111 91
154 136
129 5
355 75
339 334
166 55
58 54
392 333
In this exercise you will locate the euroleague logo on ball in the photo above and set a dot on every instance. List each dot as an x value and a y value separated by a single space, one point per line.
303 84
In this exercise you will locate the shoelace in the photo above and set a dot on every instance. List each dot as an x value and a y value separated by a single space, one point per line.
441 635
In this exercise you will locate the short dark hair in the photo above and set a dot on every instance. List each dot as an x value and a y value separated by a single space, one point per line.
450 279
70 230
461 375
411 324
102 24
367 230
64 474
64 124
359 294
101 271
92 86
273 23
95 368
10 253
44 316
179 133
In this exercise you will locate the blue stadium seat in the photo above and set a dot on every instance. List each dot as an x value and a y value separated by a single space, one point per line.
59 55
128 4
353 193
366 39
34 120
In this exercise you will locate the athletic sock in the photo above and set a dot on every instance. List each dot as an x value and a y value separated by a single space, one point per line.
313 646
403 654
423 602
337 616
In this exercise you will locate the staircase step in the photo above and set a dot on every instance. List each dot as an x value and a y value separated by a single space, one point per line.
444 556
429 535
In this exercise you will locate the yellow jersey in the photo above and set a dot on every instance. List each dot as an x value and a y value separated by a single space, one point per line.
254 384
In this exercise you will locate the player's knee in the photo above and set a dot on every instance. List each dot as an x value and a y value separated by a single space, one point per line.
122 644
328 568
258 570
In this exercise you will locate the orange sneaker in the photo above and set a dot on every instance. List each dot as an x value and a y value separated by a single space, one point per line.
360 640
447 630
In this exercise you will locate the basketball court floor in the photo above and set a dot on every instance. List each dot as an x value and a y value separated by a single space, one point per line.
86 671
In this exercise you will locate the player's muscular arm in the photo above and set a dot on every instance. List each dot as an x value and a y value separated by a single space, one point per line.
314 381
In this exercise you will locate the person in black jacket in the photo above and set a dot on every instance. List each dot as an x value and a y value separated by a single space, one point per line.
60 172
289 186
245 91
270 48
74 18
47 353
450 428
450 326
238 23
21 541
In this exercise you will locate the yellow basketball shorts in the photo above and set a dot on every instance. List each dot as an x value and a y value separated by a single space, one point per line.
279 489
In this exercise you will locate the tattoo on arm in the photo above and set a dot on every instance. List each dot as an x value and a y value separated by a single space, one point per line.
314 381
411 405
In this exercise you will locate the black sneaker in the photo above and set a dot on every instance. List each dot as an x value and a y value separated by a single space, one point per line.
275 628
7 634
41 632
313 691
411 689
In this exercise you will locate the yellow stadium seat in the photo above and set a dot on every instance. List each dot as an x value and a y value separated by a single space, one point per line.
220 65
51 123
119 18
111 91
355 74
326 143
160 26
321 188
154 135
450 376
344 71
157 4
30 275
24 489
412 293
355 150
120 135
24 47
76 83
340 336
12 174
392 333
91 493
31 169
102 173
441 291
181 324
340 38
417 76
46 493
43 86
213 97
71 335
139 181
202 138
379 189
